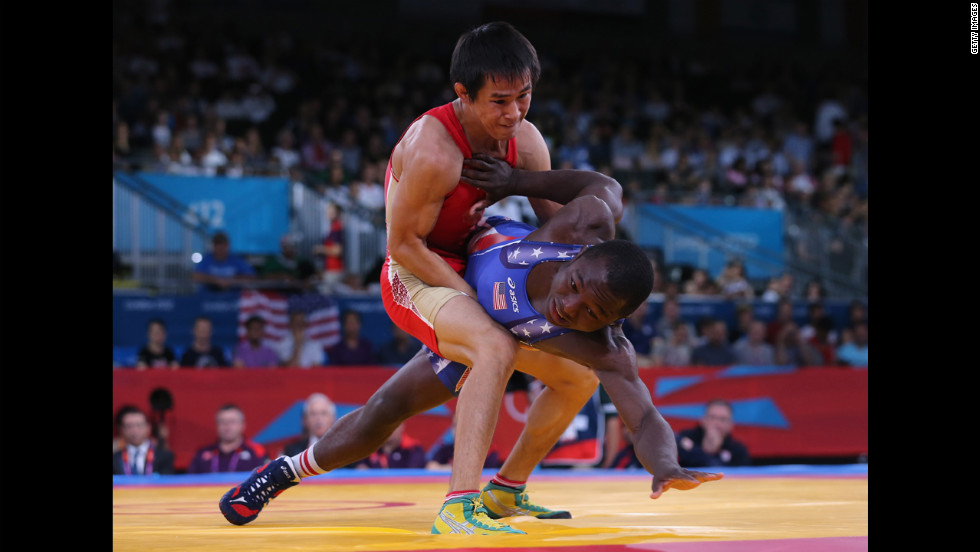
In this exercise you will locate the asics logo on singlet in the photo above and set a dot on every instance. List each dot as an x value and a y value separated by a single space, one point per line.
513 296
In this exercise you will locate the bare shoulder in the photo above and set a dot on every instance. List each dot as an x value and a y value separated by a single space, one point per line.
426 146
532 150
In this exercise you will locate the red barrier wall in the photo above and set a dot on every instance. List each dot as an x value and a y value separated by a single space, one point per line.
824 410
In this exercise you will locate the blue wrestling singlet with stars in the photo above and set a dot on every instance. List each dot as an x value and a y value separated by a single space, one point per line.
497 269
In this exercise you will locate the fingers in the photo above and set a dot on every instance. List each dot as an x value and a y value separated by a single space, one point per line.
682 482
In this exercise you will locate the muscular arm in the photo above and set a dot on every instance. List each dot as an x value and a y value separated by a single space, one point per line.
429 171
559 187
611 355
533 155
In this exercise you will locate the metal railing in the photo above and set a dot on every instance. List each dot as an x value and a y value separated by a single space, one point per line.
154 236
814 249
157 236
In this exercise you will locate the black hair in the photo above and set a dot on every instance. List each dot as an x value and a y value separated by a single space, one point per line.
494 50
356 313
629 274
230 406
722 402
127 409
159 321
253 319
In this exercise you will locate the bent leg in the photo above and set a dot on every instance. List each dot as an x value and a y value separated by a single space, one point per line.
468 335
568 387
413 389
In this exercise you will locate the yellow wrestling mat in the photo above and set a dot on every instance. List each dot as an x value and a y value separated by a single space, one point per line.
801 510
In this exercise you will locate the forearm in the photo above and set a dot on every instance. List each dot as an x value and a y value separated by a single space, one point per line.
564 185
654 442
414 256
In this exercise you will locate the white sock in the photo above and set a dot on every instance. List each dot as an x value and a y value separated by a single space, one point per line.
305 465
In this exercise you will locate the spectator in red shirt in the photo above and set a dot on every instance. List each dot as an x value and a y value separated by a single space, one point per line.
841 145
333 248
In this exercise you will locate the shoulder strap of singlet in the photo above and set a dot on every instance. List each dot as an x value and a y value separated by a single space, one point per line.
447 116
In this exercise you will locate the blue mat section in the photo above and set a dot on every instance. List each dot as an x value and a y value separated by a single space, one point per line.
235 478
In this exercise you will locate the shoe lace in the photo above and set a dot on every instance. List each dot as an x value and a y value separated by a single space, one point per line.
261 490
480 516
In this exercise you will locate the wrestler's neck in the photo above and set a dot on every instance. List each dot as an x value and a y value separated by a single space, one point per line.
479 139
538 284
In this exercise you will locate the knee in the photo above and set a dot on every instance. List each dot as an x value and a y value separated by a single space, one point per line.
496 346
579 383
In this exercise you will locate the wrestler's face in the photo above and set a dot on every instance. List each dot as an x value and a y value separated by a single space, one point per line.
500 105
580 298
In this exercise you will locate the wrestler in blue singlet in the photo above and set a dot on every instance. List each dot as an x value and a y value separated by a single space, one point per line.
500 260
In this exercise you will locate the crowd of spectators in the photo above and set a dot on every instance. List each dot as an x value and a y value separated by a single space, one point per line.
190 99
216 101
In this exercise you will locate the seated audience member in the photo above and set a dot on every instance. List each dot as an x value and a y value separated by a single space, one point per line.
353 349
753 349
676 350
792 350
733 282
296 349
398 451
856 313
784 315
252 352
640 333
156 353
220 270
855 351
815 312
319 414
400 349
715 351
139 455
202 353
700 284
743 321
232 452
672 314
287 268
824 340
710 443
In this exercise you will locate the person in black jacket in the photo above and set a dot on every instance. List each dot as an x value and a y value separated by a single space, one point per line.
140 455
711 442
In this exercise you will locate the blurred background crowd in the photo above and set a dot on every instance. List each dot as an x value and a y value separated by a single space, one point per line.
230 90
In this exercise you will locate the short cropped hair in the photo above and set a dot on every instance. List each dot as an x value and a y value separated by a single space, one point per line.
494 50
319 396
127 409
629 274
230 406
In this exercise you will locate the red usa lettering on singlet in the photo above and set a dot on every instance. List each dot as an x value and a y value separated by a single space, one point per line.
451 232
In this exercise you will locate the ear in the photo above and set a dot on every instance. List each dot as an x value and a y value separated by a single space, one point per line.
461 92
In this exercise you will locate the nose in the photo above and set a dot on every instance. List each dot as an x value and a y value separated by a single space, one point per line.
513 112
571 305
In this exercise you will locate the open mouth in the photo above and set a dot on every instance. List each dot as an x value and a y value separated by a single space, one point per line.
556 315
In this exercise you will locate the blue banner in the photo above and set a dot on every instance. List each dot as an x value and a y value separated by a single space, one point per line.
253 211
707 237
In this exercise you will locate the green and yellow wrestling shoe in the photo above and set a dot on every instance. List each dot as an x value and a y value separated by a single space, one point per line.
466 515
501 502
